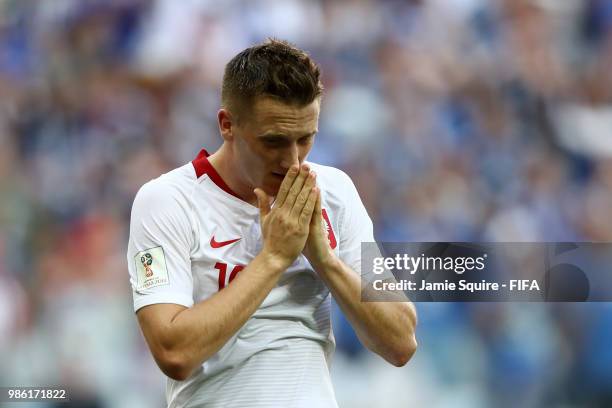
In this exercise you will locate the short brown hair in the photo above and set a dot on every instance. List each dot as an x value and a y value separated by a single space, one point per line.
276 69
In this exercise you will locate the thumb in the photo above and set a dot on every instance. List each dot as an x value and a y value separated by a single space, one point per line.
317 217
263 202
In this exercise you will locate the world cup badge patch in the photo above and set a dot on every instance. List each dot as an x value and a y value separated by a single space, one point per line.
331 237
151 270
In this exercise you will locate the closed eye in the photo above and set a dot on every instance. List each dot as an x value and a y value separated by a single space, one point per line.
274 141
279 141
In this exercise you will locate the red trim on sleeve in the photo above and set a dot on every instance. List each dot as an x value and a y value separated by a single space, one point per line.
202 166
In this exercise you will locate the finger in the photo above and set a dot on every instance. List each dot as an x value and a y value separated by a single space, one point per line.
306 214
263 202
317 216
301 199
295 189
286 185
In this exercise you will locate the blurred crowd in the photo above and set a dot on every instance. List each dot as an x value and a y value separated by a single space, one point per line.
458 120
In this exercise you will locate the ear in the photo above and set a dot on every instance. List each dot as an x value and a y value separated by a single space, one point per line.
224 119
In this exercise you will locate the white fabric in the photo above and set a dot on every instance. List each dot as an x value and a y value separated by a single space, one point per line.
281 356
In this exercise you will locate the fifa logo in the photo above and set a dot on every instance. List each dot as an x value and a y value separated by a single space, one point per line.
147 260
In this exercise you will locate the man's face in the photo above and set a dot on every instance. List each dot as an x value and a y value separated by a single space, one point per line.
271 139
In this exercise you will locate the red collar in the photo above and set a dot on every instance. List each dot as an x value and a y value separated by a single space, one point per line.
202 166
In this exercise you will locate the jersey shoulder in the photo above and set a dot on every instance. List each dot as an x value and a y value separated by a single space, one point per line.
171 190
332 175
332 180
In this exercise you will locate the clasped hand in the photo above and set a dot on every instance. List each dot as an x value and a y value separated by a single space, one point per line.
295 224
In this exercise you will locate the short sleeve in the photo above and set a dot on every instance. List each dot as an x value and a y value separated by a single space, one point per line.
159 247
355 226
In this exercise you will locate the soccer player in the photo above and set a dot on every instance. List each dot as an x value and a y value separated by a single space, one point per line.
233 257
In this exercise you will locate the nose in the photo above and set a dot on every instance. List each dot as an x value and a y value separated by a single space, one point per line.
290 157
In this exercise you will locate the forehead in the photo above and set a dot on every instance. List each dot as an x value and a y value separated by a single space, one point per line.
269 115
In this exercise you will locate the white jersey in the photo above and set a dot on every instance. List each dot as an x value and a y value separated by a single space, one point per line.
189 237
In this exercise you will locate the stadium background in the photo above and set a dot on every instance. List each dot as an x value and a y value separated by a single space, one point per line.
458 120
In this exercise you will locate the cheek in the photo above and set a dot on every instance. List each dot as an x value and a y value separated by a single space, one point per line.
256 164
268 159
264 161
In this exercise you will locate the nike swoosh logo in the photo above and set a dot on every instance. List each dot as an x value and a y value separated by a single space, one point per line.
220 244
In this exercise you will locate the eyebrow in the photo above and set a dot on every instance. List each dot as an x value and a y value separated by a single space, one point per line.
284 136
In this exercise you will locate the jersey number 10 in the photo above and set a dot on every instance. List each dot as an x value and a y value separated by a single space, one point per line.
222 267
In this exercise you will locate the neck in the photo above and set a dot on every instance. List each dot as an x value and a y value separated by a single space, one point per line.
223 162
